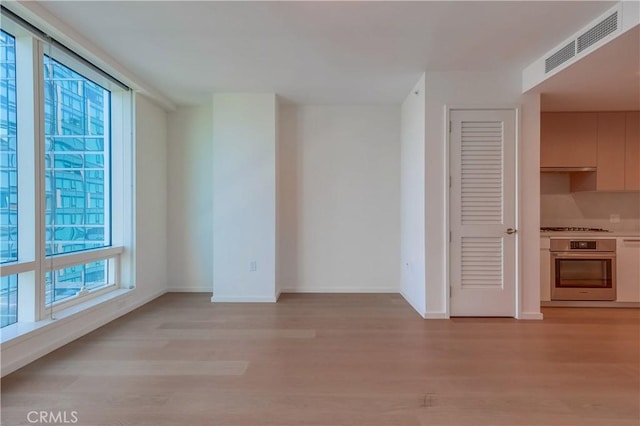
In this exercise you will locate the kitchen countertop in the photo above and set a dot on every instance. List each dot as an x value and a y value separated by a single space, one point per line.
612 234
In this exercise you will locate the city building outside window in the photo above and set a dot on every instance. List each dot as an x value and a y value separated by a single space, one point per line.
65 204
77 176
8 178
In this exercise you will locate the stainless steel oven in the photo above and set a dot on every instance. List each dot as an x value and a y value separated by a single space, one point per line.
583 269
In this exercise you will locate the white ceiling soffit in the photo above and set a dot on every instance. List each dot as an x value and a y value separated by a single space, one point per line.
318 52
608 79
602 30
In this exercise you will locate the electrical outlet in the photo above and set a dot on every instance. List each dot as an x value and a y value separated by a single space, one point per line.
253 266
614 218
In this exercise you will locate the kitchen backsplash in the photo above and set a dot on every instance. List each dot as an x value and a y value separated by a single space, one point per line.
560 207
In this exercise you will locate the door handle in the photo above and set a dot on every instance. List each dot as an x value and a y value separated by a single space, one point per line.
511 231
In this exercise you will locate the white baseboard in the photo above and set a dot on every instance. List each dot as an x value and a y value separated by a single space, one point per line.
340 290
64 330
530 316
243 299
422 314
189 290
436 315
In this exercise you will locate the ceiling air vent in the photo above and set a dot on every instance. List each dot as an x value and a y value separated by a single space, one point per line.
560 57
598 32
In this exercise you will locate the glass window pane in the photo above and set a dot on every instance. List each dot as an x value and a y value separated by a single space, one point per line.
8 151
8 300
77 142
65 283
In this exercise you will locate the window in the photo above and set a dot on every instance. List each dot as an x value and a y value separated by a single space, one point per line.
62 121
68 282
77 142
8 300
8 151
8 178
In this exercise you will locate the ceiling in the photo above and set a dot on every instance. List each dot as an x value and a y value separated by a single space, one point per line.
318 52
608 79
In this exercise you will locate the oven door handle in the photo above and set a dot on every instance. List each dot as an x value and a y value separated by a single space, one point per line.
590 255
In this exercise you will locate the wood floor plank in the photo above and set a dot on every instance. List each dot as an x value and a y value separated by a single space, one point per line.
333 360
143 368
211 333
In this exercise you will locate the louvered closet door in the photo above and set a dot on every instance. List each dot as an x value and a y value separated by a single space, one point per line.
482 210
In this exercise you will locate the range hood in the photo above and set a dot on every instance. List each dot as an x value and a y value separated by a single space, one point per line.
566 169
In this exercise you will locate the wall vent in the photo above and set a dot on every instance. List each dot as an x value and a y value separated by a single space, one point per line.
560 57
602 28
598 32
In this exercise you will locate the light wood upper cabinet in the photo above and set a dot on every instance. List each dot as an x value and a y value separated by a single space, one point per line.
609 142
632 152
610 174
568 139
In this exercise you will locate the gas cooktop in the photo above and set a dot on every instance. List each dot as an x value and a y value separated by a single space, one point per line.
571 229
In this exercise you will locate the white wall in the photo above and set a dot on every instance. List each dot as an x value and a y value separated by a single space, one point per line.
150 254
528 201
190 199
412 216
482 90
151 197
244 197
288 184
340 196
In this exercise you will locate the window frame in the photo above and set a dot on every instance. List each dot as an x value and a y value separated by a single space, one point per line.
33 264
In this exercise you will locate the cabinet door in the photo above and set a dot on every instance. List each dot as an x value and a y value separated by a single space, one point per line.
610 175
632 152
628 269
568 139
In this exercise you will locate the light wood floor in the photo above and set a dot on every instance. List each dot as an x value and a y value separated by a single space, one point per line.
337 360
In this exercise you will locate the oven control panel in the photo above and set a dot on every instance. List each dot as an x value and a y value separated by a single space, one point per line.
567 245
583 245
